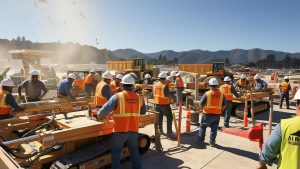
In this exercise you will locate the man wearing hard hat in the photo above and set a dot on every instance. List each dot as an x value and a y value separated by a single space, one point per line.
126 107
179 85
285 88
33 88
259 84
90 83
148 79
173 76
213 103
102 90
228 90
115 86
7 101
162 97
284 141
242 83
64 88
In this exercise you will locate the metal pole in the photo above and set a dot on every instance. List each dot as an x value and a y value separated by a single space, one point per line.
270 113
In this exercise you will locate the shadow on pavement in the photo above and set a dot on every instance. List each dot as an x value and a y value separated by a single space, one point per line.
277 116
239 152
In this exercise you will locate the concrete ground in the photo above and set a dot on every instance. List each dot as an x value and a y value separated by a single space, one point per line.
232 152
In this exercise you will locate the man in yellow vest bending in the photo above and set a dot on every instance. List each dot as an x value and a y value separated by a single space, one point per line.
285 142
285 88
213 103
126 107
228 90
103 93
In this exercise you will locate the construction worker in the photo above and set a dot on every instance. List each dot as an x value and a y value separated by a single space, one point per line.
64 88
228 91
242 84
162 97
213 103
170 85
285 88
179 85
115 86
7 101
148 79
102 90
90 83
173 76
259 84
284 141
126 107
33 88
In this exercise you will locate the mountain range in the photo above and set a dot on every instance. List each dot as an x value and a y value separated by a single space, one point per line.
76 53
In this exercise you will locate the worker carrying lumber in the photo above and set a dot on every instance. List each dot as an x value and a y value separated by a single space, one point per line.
148 79
126 107
90 83
284 141
103 93
7 101
162 97
228 91
64 88
285 88
242 84
259 85
115 86
33 88
179 85
213 103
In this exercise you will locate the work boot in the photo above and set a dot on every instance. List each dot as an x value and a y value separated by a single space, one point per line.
171 135
201 144
226 126
213 144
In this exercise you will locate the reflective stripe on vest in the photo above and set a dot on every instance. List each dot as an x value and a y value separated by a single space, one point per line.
226 90
99 99
159 93
180 82
290 143
4 108
88 79
126 115
284 86
214 100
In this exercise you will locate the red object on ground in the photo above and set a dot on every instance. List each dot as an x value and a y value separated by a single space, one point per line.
188 121
179 123
253 134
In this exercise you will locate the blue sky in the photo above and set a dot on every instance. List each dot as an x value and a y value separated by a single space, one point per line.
154 25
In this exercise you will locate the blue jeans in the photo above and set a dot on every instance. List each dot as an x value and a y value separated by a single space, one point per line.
212 121
227 113
164 110
118 142
178 96
285 96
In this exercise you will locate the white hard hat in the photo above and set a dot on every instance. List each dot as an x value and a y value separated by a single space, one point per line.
119 76
34 73
147 76
213 82
162 75
168 78
93 71
72 76
178 74
227 79
133 75
128 79
107 75
243 76
173 73
286 77
297 95
7 82
257 76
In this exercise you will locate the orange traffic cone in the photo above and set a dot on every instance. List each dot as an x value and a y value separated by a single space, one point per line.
188 121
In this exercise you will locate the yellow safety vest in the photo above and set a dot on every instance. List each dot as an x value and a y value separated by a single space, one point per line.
290 144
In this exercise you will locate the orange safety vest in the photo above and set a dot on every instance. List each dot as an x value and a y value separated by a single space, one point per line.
214 100
226 90
99 99
127 113
284 86
159 94
88 79
113 86
4 107
180 82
